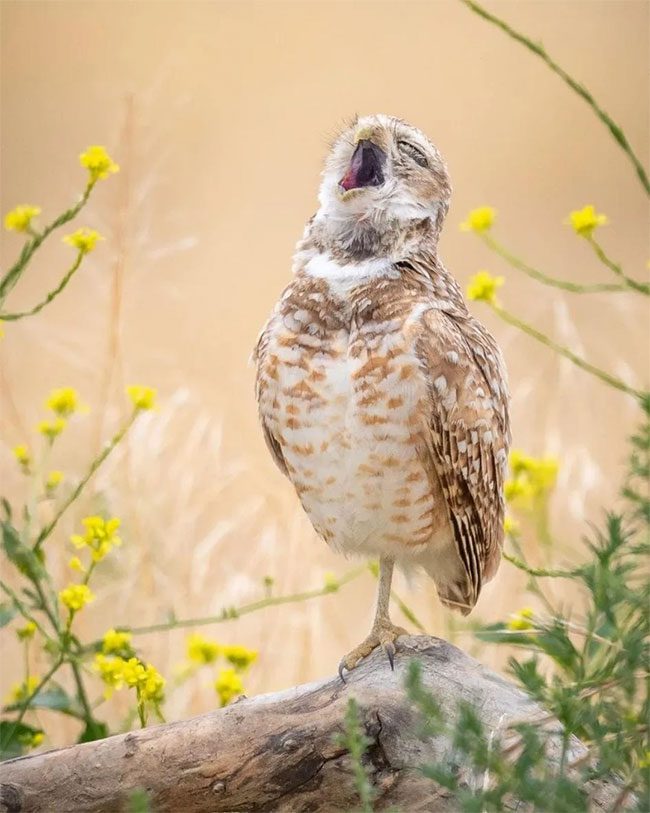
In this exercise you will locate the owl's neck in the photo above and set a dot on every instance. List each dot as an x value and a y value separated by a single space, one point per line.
373 236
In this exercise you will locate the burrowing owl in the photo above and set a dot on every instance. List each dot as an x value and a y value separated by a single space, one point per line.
381 397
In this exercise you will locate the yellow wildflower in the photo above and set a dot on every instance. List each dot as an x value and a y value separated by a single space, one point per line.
98 163
21 691
228 686
100 537
479 220
26 632
75 564
110 671
54 479
483 287
84 240
585 220
31 739
63 401
22 455
523 620
510 526
142 397
114 641
240 657
51 428
202 650
518 491
146 679
20 218
532 477
76 596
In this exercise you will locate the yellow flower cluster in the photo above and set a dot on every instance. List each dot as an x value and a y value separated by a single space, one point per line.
117 672
26 632
63 402
76 596
20 218
22 691
202 650
54 480
523 620
75 564
23 456
31 739
115 642
483 287
84 240
142 397
240 657
100 537
479 220
98 163
510 526
531 478
228 686
585 220
51 429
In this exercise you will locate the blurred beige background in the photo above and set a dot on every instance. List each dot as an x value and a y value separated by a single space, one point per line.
219 114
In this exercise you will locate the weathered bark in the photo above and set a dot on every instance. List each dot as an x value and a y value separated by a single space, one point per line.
277 752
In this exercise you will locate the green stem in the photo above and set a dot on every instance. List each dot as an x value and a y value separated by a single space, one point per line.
25 612
538 49
642 287
12 317
25 703
611 380
97 462
225 615
540 572
535 274
15 272
81 692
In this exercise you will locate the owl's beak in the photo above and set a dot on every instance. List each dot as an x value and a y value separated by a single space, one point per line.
366 167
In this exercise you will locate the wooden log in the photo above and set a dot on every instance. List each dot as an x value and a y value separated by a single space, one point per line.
278 752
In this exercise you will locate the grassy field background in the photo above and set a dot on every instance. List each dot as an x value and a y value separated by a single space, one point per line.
219 115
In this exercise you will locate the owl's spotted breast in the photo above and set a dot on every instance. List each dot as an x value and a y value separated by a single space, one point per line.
341 395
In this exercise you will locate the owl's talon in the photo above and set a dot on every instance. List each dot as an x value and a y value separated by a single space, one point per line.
383 634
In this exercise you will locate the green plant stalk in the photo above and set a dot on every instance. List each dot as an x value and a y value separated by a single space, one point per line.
641 287
535 274
25 703
538 49
25 612
538 572
236 612
605 377
94 466
16 271
13 317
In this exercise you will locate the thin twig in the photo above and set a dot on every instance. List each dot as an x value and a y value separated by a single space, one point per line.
538 49
13 317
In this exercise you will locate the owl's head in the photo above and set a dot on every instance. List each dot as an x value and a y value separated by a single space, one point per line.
382 175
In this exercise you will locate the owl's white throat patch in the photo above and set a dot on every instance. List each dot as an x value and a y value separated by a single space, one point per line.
345 276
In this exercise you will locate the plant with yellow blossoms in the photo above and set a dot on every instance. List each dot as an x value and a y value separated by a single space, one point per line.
20 219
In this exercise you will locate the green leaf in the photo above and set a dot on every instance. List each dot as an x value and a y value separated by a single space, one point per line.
55 699
22 556
7 613
94 730
6 507
12 738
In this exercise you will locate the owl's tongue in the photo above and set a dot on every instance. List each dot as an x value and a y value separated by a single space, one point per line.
365 167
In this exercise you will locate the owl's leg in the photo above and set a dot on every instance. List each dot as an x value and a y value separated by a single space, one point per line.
383 632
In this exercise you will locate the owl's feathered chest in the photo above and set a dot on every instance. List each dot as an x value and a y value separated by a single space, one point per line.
341 394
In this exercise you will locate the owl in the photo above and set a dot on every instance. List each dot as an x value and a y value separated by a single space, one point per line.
381 397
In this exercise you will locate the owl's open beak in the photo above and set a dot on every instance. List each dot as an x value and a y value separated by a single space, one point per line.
366 167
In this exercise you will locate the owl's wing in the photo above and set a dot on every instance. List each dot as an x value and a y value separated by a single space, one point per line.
263 389
466 441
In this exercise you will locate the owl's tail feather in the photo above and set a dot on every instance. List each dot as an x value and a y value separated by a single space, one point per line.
456 597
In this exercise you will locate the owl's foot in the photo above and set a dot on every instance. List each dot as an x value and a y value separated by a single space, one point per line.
383 633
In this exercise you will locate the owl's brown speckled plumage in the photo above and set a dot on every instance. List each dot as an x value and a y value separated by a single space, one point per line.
381 397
